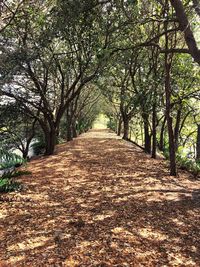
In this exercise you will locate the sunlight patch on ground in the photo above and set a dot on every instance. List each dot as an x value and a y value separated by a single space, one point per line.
126 236
100 202
30 243
177 259
102 217
71 262
39 197
3 214
149 233
16 259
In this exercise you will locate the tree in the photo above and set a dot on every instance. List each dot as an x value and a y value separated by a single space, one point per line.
56 53
198 143
185 27
50 66
17 128
8 11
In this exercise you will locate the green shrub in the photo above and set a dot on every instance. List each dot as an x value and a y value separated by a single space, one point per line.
15 174
166 153
38 147
111 124
8 185
188 164
8 160
183 162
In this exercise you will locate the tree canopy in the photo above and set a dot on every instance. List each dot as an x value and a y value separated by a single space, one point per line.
64 62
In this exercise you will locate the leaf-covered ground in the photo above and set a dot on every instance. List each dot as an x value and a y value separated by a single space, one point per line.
100 201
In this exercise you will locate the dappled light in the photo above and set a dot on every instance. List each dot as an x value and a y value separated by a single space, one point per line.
101 201
99 133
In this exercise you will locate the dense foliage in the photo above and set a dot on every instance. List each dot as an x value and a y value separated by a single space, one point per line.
64 62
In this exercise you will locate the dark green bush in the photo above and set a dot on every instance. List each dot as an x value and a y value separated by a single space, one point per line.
185 163
16 174
188 164
112 124
8 185
166 153
8 160
38 147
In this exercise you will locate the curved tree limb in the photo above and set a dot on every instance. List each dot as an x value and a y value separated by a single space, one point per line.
186 29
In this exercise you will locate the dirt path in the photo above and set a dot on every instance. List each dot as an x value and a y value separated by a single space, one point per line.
100 201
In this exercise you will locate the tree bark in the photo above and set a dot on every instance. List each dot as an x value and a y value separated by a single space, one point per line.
147 136
25 154
26 149
172 154
198 143
50 135
153 155
126 128
167 65
69 126
147 139
119 129
74 131
186 29
50 141
161 142
177 127
69 133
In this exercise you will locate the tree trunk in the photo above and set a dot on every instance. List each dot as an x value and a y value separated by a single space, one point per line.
69 133
126 128
176 129
119 129
172 154
50 135
167 64
26 149
186 29
25 154
147 137
153 155
74 131
198 143
69 126
50 141
161 142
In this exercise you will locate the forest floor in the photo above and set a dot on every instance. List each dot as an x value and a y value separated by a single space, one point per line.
101 201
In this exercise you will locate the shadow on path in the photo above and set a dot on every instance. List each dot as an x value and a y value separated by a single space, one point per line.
100 201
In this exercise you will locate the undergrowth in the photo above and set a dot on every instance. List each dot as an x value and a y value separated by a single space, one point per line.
185 163
8 160
188 164
7 183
